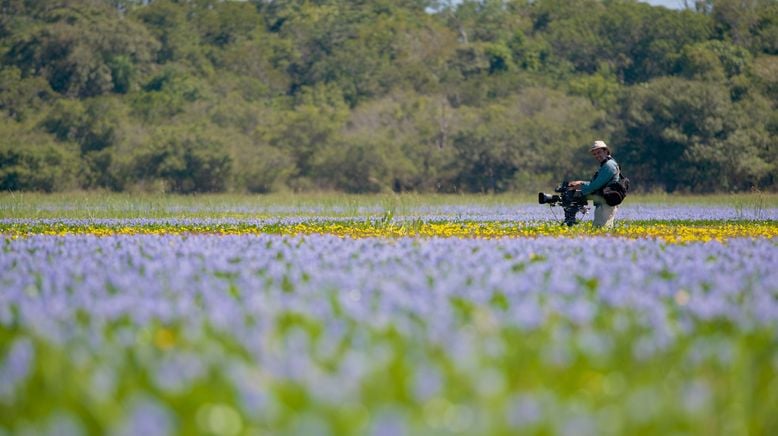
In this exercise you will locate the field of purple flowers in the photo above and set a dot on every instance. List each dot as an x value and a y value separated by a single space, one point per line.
337 316
325 335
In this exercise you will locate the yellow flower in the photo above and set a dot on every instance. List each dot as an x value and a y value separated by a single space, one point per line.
164 338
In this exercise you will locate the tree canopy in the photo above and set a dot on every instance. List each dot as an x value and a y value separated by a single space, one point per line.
377 95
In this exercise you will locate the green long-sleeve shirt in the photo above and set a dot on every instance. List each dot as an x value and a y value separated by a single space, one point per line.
608 170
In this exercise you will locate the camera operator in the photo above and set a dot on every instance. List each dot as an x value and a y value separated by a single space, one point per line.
592 190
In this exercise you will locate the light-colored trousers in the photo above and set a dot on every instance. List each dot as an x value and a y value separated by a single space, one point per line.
604 215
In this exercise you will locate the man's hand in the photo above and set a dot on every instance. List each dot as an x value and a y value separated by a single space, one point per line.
576 184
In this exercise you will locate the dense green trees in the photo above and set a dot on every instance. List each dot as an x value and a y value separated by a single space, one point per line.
692 136
367 96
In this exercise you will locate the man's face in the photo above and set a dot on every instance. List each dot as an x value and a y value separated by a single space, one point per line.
600 154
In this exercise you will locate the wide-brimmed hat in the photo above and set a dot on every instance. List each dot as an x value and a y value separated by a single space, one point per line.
598 144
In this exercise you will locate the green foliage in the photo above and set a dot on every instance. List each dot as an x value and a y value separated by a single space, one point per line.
645 42
20 96
686 131
410 135
83 49
752 24
33 161
264 169
186 162
361 165
765 73
412 95
90 123
715 60
307 129
600 88
496 145
166 94
167 22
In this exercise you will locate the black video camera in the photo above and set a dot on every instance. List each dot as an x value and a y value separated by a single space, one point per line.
571 200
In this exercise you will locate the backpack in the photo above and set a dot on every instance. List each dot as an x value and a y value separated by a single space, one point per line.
614 192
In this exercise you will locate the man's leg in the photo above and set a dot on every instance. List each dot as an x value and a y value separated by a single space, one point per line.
604 215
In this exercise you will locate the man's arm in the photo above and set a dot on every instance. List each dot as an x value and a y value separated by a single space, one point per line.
605 174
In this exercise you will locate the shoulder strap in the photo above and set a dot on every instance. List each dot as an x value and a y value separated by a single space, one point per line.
618 168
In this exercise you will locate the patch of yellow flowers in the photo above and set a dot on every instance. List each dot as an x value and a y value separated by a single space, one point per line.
672 232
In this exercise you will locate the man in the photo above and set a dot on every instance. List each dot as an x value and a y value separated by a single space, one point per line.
592 190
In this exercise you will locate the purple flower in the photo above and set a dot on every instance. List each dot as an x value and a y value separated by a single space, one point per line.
15 368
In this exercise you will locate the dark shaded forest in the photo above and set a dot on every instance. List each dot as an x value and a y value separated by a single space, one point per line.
193 96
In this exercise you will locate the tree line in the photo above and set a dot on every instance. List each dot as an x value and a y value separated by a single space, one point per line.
257 96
